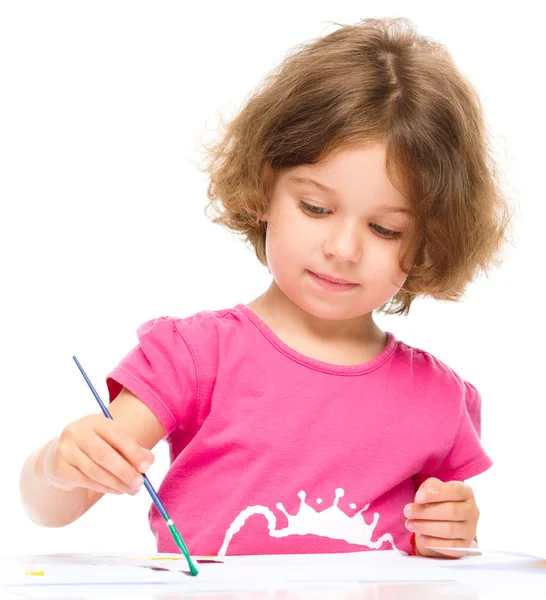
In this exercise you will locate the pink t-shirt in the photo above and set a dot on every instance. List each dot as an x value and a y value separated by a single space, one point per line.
275 452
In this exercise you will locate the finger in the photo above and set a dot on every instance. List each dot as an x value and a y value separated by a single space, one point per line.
449 530
441 511
103 455
434 490
79 479
95 472
116 437
444 547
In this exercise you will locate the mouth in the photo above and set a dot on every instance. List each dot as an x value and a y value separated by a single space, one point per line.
332 283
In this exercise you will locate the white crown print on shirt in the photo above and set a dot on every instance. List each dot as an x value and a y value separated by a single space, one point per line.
332 523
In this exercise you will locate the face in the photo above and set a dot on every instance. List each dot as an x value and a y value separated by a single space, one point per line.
334 234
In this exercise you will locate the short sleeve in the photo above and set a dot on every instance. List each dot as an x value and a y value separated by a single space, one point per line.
466 458
160 370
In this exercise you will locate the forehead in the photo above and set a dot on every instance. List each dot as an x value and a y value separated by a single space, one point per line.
358 172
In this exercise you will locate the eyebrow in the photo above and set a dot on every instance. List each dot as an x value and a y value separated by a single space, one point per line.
332 192
398 209
308 180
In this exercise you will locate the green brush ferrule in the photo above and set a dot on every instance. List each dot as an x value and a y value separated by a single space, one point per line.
180 543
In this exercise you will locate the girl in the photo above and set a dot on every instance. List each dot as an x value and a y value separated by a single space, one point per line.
359 172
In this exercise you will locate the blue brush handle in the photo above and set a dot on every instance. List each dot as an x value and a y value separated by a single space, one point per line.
147 483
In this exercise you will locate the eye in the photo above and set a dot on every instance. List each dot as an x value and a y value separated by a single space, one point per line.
313 210
385 233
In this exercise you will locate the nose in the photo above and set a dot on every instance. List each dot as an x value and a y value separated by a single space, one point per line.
344 243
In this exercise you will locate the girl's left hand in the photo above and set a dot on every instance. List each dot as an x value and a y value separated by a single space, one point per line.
443 515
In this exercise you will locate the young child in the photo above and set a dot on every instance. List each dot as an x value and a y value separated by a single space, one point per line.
360 174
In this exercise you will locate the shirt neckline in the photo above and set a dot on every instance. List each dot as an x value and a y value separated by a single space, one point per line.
314 363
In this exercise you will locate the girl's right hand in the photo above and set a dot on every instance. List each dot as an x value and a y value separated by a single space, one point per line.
97 453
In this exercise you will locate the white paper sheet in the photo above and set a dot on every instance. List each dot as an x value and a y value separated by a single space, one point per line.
235 572
81 574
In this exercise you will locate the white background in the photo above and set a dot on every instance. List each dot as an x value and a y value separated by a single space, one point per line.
102 224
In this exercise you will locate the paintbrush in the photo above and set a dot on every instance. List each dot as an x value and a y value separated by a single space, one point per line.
172 527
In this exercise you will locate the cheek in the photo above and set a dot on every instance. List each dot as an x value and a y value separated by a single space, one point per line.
383 265
398 277
280 247
287 238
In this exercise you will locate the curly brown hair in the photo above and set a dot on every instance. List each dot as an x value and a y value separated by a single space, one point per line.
376 81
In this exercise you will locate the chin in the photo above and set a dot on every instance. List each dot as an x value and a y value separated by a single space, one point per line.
329 311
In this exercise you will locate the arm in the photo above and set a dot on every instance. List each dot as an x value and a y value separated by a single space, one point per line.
135 429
